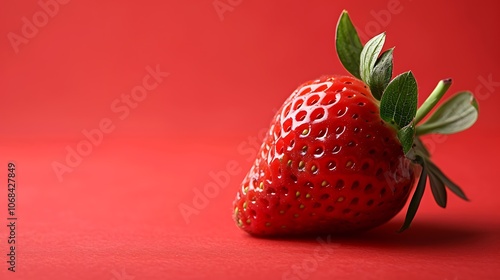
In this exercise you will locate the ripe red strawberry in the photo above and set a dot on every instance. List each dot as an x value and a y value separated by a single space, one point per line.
336 159
325 163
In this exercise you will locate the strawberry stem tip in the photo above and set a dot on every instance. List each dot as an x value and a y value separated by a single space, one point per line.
398 107
433 99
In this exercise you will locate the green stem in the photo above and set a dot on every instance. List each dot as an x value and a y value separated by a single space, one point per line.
433 99
425 129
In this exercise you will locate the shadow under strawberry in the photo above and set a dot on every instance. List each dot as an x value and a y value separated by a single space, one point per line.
423 235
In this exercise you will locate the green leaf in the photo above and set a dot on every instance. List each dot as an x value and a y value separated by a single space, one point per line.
348 44
438 190
381 74
419 146
415 200
448 183
406 136
456 114
398 105
369 56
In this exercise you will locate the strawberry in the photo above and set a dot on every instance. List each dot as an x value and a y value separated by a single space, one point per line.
344 152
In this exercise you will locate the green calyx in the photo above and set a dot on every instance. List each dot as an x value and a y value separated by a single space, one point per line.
398 107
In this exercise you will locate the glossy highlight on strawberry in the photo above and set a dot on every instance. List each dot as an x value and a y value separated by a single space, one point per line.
344 152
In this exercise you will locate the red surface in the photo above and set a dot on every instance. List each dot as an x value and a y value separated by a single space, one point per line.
116 215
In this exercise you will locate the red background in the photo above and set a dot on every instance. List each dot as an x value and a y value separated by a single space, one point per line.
116 215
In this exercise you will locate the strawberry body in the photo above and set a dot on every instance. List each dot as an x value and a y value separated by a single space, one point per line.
328 164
